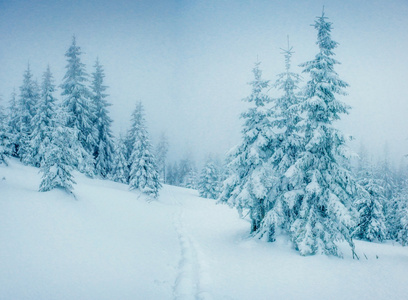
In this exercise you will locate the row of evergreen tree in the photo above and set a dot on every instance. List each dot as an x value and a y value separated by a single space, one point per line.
384 211
75 133
292 171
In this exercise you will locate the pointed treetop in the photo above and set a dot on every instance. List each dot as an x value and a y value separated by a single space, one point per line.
28 73
47 76
73 51
98 68
288 55
138 113
324 40
322 17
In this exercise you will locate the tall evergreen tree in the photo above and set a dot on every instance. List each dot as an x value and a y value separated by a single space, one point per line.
29 95
60 158
13 122
120 172
104 150
4 139
43 123
143 170
209 184
250 178
79 108
282 204
371 224
326 188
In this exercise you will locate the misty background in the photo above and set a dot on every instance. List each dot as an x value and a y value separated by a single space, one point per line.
189 61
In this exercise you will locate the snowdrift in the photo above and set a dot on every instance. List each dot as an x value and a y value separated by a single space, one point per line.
111 243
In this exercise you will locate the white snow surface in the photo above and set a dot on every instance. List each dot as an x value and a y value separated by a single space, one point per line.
110 243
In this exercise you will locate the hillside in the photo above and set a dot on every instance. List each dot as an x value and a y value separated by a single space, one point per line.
111 243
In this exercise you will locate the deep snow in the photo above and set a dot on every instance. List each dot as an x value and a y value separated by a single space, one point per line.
111 243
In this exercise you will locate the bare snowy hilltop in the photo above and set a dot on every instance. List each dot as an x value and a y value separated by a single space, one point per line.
113 244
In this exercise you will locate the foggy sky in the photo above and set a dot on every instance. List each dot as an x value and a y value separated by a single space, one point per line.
189 61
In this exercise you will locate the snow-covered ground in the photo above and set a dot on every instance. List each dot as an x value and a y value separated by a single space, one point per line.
112 244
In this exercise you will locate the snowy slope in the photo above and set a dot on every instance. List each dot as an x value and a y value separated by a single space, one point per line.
112 244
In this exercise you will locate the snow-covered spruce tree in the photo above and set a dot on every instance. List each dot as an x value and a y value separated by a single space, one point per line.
401 212
191 179
120 172
369 204
397 209
209 184
79 108
143 174
283 204
4 139
12 124
250 177
29 95
386 173
104 150
43 123
161 155
401 205
386 177
326 187
60 158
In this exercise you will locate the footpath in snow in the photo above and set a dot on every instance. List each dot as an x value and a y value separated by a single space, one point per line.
112 244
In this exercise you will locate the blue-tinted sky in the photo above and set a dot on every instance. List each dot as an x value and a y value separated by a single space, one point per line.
189 61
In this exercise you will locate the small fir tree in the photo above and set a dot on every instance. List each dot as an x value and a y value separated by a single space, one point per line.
402 234
371 223
400 214
385 174
120 172
4 139
209 184
191 179
59 159
143 170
